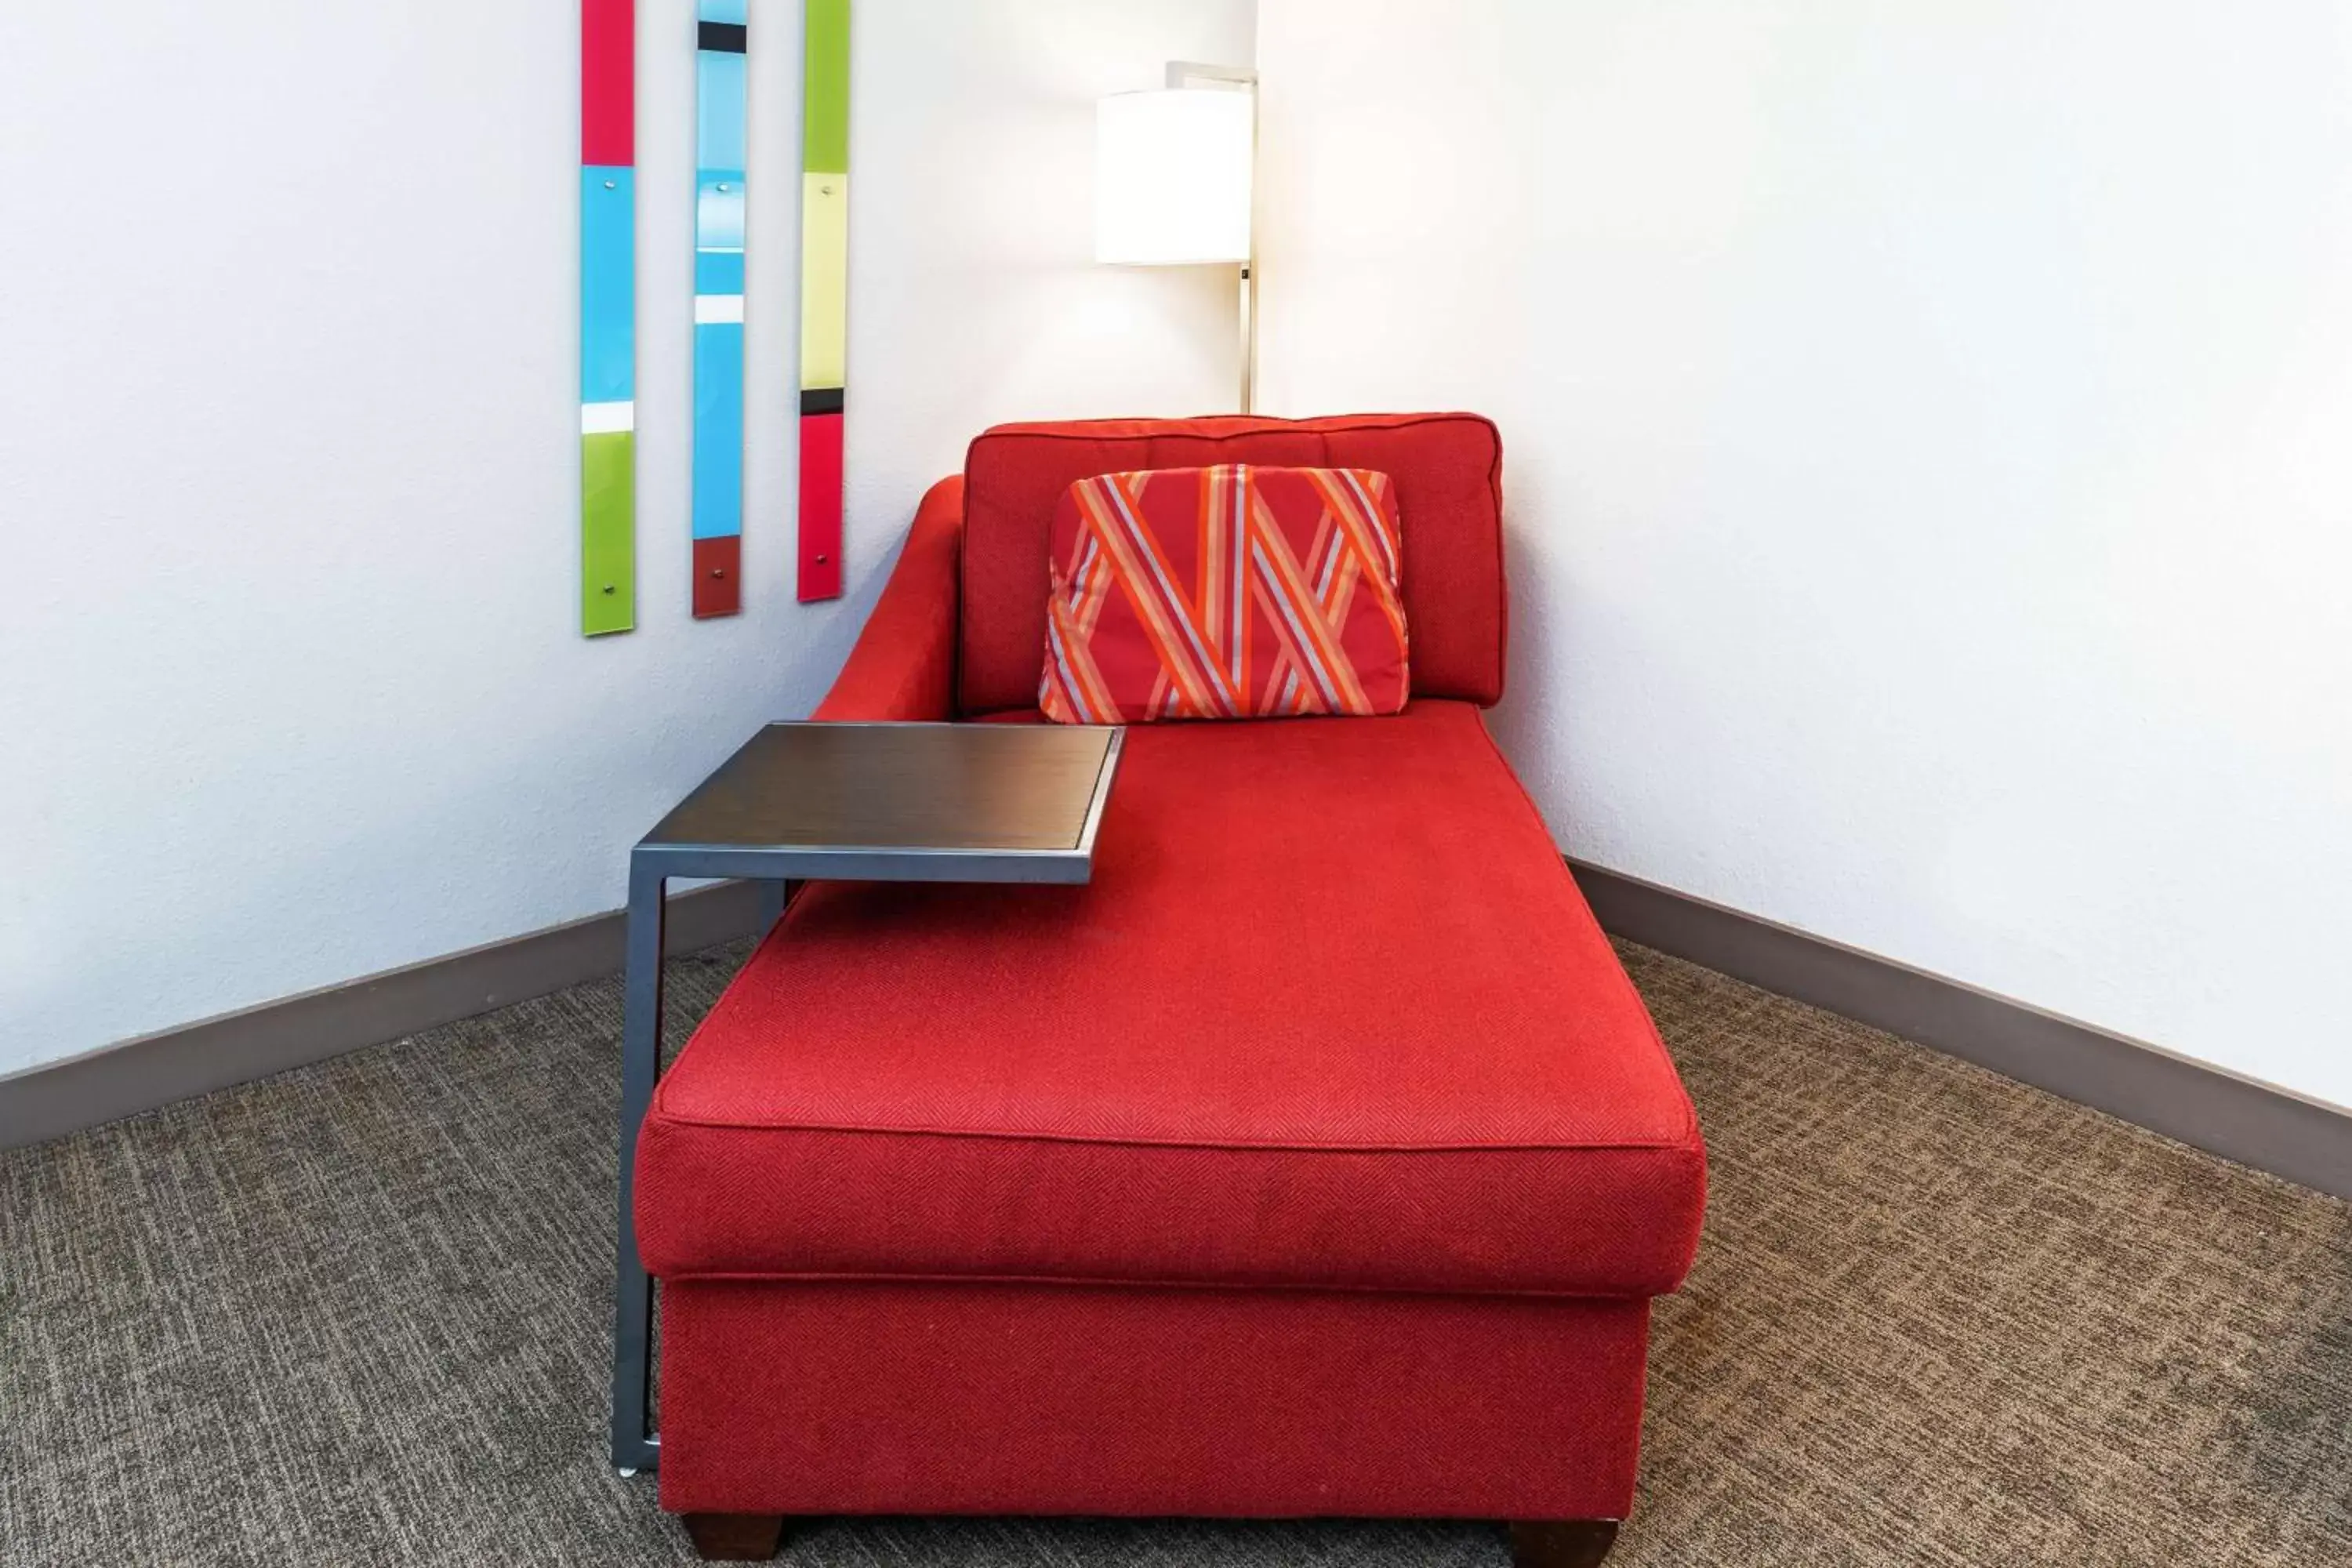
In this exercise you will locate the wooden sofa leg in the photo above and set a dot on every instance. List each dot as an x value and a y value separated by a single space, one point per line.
1563 1543
737 1537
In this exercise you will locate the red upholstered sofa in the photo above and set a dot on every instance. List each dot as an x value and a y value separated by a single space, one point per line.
1318 1158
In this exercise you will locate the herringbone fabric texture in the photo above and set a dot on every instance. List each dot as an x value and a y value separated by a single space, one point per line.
360 1315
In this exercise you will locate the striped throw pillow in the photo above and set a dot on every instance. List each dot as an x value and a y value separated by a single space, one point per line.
1235 592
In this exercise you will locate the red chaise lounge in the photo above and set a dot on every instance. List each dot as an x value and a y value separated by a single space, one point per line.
1317 1158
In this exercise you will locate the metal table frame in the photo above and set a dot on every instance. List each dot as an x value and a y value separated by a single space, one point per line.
635 1446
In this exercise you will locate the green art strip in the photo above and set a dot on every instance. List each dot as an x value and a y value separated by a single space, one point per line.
824 202
824 101
608 589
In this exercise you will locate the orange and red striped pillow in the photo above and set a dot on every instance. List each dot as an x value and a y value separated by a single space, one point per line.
1235 592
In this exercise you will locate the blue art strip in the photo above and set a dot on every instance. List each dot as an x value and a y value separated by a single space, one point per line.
721 143
721 138
719 272
718 429
718 215
608 283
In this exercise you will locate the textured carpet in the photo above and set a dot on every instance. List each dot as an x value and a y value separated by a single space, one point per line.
357 1314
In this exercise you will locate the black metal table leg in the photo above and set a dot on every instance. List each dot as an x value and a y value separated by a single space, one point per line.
774 893
634 1448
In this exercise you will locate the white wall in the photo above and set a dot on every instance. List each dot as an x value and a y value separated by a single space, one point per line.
290 687
1928 437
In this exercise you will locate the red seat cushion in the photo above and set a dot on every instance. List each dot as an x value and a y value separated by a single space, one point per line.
1447 473
1332 1012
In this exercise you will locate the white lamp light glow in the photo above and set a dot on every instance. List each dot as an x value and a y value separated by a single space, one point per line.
1173 177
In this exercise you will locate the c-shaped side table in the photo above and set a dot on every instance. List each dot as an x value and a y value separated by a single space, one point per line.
880 803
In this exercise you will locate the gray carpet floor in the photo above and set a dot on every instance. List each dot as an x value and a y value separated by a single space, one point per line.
357 1314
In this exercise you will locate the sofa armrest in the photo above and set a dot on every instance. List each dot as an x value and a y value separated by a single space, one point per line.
903 666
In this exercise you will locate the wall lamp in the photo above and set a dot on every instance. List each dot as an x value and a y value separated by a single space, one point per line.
1175 183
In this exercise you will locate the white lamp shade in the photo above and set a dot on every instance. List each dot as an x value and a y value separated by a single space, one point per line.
1173 176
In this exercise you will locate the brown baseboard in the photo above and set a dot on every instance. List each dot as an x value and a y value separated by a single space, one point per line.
140 1074
2239 1119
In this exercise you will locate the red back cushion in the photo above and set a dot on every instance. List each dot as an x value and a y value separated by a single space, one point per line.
1232 591
1445 470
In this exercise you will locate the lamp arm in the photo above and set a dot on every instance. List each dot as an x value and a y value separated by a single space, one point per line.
1249 270
1249 335
1183 74
1188 73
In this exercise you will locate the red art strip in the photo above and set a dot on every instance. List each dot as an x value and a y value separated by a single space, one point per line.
718 575
608 71
820 568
